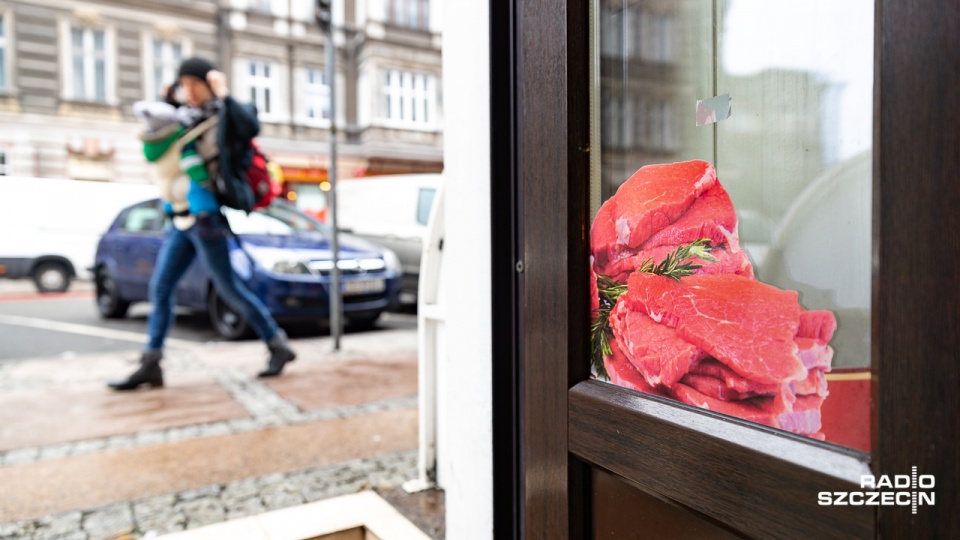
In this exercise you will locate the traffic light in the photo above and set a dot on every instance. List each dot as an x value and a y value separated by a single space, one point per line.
323 12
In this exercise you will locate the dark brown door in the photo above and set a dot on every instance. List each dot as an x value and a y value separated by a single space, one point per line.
576 458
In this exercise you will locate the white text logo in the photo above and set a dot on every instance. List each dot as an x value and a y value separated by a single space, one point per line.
911 490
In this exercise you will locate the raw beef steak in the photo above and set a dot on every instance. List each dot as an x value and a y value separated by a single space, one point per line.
747 325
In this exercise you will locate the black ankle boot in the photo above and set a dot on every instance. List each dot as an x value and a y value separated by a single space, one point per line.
280 354
149 373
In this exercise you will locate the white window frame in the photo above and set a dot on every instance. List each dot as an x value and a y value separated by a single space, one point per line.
260 85
315 96
151 86
260 81
408 99
68 91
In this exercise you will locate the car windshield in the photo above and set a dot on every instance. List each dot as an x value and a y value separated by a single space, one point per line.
276 219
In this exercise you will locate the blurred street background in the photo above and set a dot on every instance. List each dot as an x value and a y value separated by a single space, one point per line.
80 462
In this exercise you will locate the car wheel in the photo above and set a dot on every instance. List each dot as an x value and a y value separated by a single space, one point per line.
109 303
51 277
227 322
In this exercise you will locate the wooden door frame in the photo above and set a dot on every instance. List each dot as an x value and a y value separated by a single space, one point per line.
550 421
539 167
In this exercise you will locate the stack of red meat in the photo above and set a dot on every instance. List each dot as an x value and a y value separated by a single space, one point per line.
719 339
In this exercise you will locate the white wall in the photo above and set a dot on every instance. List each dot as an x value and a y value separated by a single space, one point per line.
464 416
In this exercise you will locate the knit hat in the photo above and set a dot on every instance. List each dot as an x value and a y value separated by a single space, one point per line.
196 67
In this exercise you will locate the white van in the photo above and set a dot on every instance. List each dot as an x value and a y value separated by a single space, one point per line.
49 228
391 211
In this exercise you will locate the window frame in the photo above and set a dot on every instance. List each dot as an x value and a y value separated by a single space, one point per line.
67 58
314 94
406 96
265 79
413 14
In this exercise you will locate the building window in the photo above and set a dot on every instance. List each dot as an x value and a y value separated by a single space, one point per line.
89 64
316 96
3 53
408 98
165 58
638 33
409 13
661 134
656 34
262 78
643 123
3 163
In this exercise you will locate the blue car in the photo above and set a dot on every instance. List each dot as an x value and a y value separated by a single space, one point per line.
285 260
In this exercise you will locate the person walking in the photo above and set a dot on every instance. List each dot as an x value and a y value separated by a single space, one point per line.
209 133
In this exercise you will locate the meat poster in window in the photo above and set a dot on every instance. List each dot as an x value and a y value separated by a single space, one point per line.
679 313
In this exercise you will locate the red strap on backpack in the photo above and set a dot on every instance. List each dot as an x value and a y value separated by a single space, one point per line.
265 187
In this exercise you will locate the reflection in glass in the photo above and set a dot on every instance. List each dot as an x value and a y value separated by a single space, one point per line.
796 154
652 66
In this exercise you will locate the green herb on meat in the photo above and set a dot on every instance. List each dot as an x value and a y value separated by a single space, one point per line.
674 266
600 331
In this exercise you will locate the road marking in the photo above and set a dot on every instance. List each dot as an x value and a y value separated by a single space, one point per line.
85 330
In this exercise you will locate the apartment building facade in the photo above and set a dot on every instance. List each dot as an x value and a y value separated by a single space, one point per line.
70 72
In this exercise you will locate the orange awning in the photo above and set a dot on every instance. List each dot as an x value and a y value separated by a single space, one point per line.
304 174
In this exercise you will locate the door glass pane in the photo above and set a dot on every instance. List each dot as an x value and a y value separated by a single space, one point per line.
796 155
731 234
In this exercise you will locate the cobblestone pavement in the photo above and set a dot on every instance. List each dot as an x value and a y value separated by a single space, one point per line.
149 517
382 366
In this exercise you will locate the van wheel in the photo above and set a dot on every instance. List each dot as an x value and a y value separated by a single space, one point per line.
109 303
227 322
51 276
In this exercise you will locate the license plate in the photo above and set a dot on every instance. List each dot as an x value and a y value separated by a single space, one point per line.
363 286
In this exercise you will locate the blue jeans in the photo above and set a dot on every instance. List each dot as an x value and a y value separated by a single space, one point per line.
208 238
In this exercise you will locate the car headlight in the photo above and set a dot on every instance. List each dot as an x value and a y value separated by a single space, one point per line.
392 261
290 267
279 263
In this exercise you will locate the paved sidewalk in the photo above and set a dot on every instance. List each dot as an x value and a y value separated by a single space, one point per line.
80 462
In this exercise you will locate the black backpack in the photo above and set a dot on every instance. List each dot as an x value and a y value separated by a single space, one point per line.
239 178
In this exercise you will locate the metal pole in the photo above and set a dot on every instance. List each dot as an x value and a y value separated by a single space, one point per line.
336 300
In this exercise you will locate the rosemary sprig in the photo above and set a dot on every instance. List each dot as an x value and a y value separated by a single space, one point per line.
675 266
600 332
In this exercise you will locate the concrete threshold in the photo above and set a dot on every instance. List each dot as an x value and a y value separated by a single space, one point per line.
359 516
